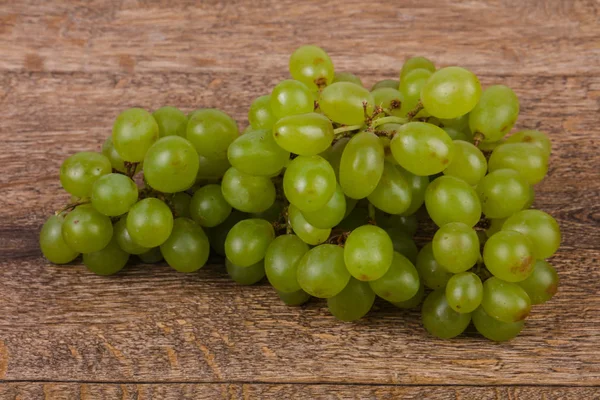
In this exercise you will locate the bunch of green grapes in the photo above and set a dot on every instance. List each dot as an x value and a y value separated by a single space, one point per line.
323 193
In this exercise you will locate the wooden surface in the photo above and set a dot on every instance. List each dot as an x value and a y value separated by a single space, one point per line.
68 68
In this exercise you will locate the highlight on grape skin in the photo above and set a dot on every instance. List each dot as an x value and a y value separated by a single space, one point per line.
323 193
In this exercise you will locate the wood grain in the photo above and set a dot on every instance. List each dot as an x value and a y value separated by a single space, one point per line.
230 391
68 68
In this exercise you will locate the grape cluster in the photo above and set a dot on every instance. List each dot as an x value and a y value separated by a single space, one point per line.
322 194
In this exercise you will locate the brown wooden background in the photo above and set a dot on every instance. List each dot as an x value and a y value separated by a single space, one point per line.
68 68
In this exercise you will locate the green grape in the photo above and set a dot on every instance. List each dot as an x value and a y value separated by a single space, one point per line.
85 230
460 124
495 114
386 83
449 199
79 172
312 66
187 248
422 148
245 275
505 301
257 153
106 261
361 165
171 121
464 292
304 134
416 63
488 147
152 256
456 247
124 240
260 115
117 163
432 274
418 186
281 262
526 158
309 182
149 222
212 168
389 99
468 163
247 193
181 204
542 284
539 227
347 77
413 301
171 165
403 243
458 135
114 194
296 298
352 303
208 207
410 88
350 205
53 246
358 217
540 139
271 214
321 271
248 240
400 283
387 151
329 215
305 231
509 256
393 193
218 234
440 319
451 92
211 131
134 131
495 226
493 329
368 253
334 155
291 97
502 192
343 103
407 224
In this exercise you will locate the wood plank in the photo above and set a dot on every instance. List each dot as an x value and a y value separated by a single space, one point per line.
178 391
500 36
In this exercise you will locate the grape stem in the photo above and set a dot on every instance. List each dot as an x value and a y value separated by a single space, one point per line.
130 168
388 120
342 131
371 210
477 138
413 113
71 206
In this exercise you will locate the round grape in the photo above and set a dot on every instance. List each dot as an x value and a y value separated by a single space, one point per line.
53 246
305 231
464 292
304 134
171 165
502 193
410 88
329 215
248 275
180 203
260 115
456 247
312 66
152 256
247 193
393 192
114 194
526 158
495 114
257 153
281 262
296 298
416 63
134 131
432 274
414 301
343 103
389 99
85 230
509 256
451 92
537 138
542 284
321 271
400 283
440 319
352 303
124 240
248 240
309 182
386 83
368 253
493 329
149 222
361 165
347 77
211 132
171 121
449 199
208 207
107 261
468 163
505 301
187 248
